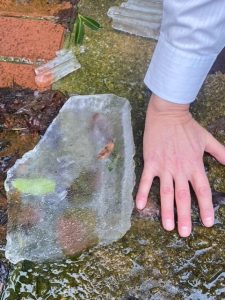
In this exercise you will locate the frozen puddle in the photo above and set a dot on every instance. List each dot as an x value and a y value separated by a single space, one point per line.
139 17
74 189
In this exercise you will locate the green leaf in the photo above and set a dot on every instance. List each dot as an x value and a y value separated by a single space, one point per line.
92 24
79 34
35 186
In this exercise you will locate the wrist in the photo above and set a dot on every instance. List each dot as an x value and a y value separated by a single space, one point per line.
159 107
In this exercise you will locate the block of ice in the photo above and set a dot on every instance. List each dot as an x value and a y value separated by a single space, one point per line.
74 189
139 17
63 64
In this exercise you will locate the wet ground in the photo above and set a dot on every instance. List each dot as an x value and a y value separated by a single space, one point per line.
148 263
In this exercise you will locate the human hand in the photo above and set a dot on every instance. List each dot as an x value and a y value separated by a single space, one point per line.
174 144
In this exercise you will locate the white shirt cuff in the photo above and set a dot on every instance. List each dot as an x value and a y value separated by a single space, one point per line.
177 75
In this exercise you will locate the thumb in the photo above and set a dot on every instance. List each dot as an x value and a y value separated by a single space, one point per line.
215 148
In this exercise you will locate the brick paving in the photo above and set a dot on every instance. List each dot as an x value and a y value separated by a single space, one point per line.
28 39
19 74
33 8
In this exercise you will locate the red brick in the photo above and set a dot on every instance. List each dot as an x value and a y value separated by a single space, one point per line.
22 75
30 39
33 8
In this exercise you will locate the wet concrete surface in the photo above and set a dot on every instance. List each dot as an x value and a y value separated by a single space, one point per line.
148 263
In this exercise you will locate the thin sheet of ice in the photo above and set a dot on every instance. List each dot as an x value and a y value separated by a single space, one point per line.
74 189
139 17
63 64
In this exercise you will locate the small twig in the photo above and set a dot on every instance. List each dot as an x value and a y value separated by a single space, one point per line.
15 129
18 129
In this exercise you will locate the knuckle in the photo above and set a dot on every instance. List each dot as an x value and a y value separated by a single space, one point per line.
167 212
167 191
203 191
207 212
179 163
184 219
182 195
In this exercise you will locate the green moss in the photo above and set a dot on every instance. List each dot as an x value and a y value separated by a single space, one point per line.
34 186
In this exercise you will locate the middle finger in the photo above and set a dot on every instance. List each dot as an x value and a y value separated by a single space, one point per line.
183 203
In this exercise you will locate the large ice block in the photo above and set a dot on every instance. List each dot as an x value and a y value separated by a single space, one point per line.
139 17
74 189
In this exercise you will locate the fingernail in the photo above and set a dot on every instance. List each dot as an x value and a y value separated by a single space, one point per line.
184 231
208 222
168 224
140 205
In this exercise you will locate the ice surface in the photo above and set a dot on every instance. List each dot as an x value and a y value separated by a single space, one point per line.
63 64
139 17
74 189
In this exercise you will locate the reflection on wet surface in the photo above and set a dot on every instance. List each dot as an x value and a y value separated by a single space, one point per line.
147 263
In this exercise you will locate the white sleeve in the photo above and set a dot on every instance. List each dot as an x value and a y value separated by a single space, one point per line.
192 35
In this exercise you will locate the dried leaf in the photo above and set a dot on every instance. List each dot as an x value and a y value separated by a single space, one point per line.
108 149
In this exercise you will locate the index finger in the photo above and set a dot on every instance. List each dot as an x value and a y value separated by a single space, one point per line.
144 188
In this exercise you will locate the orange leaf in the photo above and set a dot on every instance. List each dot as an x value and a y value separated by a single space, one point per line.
108 149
